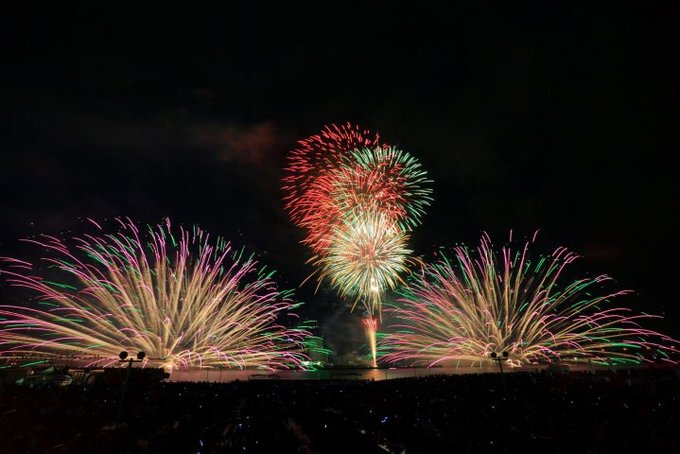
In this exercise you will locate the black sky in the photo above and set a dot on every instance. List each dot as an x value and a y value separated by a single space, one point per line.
528 115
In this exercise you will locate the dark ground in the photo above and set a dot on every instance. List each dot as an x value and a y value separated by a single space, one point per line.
624 411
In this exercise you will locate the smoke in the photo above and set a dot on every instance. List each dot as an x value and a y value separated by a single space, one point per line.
343 331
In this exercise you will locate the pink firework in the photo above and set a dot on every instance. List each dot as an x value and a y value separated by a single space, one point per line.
480 302
182 298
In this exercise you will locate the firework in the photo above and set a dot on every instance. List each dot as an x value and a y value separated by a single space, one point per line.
357 199
371 326
183 300
379 179
366 257
481 303
317 155
384 179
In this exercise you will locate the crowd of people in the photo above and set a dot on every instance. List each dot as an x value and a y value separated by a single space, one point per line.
607 411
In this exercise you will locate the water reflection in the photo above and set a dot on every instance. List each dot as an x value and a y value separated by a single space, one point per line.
228 375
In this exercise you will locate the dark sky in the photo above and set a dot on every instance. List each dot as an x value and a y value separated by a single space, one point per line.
527 115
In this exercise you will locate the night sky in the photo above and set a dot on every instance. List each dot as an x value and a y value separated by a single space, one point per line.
527 116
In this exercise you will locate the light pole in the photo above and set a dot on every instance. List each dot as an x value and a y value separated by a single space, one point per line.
123 358
499 359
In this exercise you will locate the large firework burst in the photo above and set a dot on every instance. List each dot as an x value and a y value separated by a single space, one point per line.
384 179
466 308
184 300
315 156
366 257
380 179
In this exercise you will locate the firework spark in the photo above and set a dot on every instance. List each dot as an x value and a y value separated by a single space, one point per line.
185 301
476 304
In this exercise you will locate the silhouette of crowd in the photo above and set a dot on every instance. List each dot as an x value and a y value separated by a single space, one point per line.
607 411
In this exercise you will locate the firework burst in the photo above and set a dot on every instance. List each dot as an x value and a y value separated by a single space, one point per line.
314 157
345 171
380 179
184 300
357 199
384 179
366 257
475 304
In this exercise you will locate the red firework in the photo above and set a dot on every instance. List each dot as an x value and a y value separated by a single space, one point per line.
346 191
315 156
